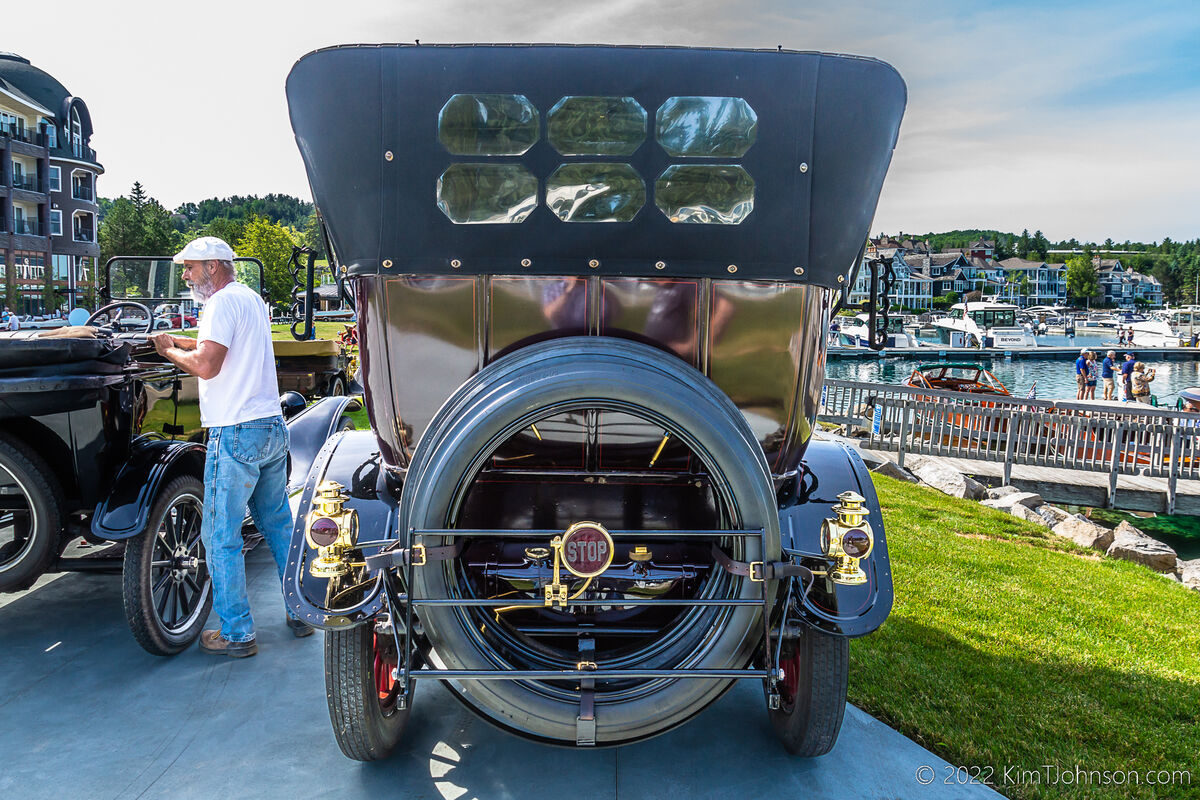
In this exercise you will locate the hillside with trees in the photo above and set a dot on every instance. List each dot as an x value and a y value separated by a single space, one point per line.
260 227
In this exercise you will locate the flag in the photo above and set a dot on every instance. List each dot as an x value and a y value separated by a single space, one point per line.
1032 392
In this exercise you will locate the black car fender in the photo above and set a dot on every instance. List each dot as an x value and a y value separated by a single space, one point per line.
308 431
151 464
830 468
350 458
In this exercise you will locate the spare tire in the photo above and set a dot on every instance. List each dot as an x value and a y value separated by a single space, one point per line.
564 376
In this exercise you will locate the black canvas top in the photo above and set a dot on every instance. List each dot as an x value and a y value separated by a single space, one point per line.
824 130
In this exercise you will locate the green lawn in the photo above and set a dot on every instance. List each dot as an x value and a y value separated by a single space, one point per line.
1008 647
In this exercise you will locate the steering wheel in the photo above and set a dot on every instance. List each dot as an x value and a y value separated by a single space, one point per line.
104 311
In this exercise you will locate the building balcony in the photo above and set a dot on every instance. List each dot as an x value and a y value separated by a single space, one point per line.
27 135
27 182
27 227
83 193
84 235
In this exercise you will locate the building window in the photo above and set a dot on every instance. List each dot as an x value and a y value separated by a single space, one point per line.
62 267
76 134
55 178
51 134
55 223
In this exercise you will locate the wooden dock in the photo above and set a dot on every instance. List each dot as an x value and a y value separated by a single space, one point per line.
1115 455
975 354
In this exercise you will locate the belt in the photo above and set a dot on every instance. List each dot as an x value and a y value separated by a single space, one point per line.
418 556
759 571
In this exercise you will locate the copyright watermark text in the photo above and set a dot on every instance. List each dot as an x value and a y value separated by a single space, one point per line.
1049 775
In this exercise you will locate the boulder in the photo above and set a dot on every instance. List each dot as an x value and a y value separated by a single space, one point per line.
947 479
1052 514
1131 544
1028 514
1085 533
1001 491
1189 573
1030 500
894 470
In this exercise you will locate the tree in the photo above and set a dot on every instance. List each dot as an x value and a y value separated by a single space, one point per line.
1023 244
1082 282
121 231
271 243
1040 244
137 196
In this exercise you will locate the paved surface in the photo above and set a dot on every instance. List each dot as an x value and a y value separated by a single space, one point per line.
86 713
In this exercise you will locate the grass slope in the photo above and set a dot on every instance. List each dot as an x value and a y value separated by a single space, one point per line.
1008 646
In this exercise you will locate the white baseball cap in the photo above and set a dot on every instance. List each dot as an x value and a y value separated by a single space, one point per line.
206 248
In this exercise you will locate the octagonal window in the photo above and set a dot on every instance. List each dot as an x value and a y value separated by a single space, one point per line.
705 194
706 127
486 193
596 126
595 192
488 124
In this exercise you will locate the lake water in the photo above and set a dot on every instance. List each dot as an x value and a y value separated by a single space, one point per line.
1056 381
1055 376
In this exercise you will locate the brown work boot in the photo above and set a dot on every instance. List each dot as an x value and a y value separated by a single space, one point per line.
213 642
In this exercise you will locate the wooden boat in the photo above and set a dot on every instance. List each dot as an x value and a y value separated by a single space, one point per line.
956 377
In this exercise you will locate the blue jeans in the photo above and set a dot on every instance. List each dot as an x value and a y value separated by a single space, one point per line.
246 466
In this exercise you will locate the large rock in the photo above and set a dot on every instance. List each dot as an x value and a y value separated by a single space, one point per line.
1085 533
1189 573
1028 499
1131 544
1001 491
947 479
1028 514
1052 514
894 470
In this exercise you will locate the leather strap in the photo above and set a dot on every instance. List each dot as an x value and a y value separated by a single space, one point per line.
759 571
418 555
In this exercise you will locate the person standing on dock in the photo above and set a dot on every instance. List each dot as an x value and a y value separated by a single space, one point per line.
1127 376
1089 386
1081 371
1106 374
1141 382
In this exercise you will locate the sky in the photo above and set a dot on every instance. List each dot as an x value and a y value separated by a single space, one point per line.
1081 119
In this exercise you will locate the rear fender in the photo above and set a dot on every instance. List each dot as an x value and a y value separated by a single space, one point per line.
308 432
829 469
151 464
352 459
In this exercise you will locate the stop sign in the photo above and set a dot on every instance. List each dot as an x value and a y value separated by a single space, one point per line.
587 549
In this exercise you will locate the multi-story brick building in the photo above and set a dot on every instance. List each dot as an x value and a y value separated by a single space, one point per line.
48 171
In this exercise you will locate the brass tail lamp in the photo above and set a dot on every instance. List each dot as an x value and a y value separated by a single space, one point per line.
847 539
332 529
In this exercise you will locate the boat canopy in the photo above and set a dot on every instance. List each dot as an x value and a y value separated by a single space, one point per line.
566 159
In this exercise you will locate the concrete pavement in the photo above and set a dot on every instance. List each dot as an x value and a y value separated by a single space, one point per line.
85 713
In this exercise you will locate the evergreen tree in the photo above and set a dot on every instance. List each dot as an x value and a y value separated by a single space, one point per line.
1023 244
137 196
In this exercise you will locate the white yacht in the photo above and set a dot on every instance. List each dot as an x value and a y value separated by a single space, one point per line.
1173 328
856 333
984 324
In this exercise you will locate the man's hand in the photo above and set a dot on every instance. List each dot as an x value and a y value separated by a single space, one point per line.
163 342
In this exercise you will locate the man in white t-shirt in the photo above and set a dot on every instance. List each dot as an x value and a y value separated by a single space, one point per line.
246 463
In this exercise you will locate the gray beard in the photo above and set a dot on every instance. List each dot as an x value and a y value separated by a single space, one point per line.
202 291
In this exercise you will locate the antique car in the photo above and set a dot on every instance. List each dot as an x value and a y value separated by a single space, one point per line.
100 441
592 287
313 367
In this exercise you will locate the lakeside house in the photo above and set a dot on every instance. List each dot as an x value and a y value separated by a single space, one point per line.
924 276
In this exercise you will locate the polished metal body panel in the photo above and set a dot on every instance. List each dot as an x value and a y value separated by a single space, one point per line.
761 342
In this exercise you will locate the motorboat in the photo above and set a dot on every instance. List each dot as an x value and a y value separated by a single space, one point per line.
857 333
1173 328
983 324
956 377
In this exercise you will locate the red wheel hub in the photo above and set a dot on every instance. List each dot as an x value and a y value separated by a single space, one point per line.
385 662
789 661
